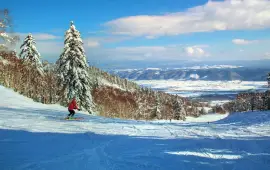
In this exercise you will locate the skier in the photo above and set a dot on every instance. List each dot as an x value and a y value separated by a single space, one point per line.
72 105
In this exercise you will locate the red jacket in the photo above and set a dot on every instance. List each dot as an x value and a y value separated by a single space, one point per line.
72 105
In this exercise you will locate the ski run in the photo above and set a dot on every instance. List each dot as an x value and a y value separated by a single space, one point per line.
35 136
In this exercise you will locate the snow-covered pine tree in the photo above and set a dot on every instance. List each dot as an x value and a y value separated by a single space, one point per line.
73 70
177 107
30 55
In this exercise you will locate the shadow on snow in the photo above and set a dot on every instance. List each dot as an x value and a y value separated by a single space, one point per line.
28 150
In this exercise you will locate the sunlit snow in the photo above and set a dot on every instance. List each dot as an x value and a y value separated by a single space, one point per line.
35 136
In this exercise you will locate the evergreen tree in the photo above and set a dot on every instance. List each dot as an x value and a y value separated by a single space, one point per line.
30 55
177 107
73 70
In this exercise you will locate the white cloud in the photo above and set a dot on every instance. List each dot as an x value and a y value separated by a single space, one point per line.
39 36
241 50
243 41
95 32
92 43
49 50
98 41
139 53
267 55
169 52
150 37
50 47
45 36
212 16
195 52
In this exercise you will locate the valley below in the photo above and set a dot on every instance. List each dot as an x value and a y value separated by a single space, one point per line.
211 91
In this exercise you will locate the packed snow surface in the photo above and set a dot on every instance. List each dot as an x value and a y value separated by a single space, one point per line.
35 136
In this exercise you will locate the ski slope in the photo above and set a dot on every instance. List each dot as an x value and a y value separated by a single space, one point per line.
33 136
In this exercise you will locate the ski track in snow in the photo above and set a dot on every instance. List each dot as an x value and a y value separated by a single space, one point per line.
33 136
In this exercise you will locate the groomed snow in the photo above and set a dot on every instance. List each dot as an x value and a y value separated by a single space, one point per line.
33 136
212 117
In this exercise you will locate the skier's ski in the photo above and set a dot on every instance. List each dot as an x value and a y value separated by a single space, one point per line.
75 118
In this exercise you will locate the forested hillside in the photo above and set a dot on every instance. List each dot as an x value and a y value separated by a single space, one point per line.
113 96
96 91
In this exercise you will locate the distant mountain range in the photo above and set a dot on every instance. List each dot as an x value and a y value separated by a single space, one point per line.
213 73
107 65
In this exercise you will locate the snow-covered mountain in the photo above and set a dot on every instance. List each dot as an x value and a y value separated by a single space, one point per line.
204 67
34 136
214 73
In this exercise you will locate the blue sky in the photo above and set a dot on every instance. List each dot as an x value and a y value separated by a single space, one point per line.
153 30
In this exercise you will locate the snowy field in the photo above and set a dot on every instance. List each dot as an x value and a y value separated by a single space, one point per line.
189 88
33 136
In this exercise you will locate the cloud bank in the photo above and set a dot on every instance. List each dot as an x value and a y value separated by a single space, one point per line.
139 53
39 36
212 16
244 42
